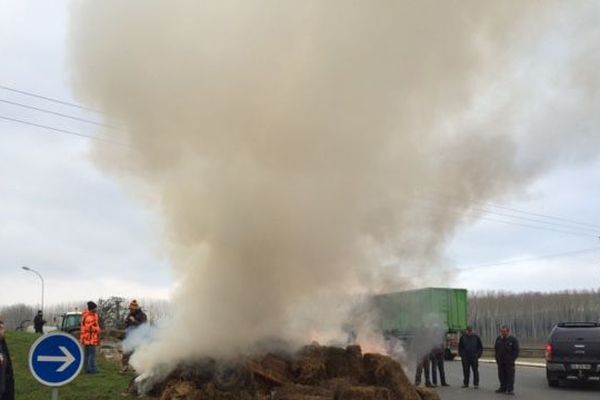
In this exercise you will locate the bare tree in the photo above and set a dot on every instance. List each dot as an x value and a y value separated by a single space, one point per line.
17 316
531 315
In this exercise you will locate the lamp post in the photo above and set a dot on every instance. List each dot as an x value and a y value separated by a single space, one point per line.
42 279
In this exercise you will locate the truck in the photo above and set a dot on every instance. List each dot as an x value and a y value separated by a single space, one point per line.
573 352
71 323
405 314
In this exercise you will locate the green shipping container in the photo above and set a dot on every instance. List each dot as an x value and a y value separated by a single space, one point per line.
408 311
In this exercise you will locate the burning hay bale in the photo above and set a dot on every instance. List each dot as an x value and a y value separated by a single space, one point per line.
385 372
302 392
314 373
427 394
184 390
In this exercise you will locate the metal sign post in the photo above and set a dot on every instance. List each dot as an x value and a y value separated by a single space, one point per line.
55 359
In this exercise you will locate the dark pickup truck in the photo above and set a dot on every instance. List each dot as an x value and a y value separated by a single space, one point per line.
573 352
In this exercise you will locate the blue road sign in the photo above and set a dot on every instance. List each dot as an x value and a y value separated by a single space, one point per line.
55 359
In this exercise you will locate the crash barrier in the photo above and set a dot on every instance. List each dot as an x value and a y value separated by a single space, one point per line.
525 352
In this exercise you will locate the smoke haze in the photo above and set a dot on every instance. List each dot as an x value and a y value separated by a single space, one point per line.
290 146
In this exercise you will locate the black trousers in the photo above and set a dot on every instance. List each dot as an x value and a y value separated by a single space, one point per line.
422 366
437 363
468 364
506 375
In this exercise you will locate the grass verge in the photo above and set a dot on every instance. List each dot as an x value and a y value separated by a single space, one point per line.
106 385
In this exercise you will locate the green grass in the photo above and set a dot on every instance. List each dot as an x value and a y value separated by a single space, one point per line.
108 384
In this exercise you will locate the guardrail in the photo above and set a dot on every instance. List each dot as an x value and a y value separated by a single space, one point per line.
525 352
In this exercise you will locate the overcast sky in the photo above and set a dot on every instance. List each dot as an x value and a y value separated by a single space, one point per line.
90 238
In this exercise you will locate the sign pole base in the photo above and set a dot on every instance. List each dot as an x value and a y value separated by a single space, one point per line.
55 394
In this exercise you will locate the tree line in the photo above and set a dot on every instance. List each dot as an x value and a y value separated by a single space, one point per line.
20 316
530 315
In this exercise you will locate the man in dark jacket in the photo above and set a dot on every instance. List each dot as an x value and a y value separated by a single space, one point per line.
470 350
135 318
507 351
7 377
38 322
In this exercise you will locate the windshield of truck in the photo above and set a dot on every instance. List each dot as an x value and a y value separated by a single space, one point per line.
72 322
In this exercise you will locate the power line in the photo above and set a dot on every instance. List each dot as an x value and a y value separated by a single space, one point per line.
522 260
543 228
89 121
571 230
64 131
539 215
547 216
537 221
66 103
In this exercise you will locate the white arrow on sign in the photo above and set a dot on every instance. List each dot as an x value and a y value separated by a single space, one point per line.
67 359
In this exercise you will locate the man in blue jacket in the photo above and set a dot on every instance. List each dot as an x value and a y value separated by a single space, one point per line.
507 352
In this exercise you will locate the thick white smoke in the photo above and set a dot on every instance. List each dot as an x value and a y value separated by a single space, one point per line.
289 146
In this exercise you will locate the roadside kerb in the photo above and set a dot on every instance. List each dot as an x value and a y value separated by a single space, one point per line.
518 363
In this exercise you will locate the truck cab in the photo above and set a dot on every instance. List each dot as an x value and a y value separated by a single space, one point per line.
71 323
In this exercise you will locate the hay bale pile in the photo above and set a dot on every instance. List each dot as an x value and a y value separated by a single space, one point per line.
314 373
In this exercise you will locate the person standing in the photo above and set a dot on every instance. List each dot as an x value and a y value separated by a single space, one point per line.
135 318
507 352
437 364
470 350
39 322
7 377
90 337
423 367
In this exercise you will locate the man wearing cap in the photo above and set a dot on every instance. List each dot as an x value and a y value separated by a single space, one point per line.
470 350
135 318
90 337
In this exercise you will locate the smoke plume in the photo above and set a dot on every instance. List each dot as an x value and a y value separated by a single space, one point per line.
290 146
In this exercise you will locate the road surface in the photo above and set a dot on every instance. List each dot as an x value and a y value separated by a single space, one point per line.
530 384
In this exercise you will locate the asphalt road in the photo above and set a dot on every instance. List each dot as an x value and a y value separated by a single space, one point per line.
530 384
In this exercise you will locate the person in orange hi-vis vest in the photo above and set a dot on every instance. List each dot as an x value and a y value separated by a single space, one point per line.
90 337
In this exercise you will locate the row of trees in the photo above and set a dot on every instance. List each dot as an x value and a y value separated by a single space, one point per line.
530 315
112 310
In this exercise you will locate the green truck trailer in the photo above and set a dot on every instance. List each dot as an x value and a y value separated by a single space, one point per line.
405 314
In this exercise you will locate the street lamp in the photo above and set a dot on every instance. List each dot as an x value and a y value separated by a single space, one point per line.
42 278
